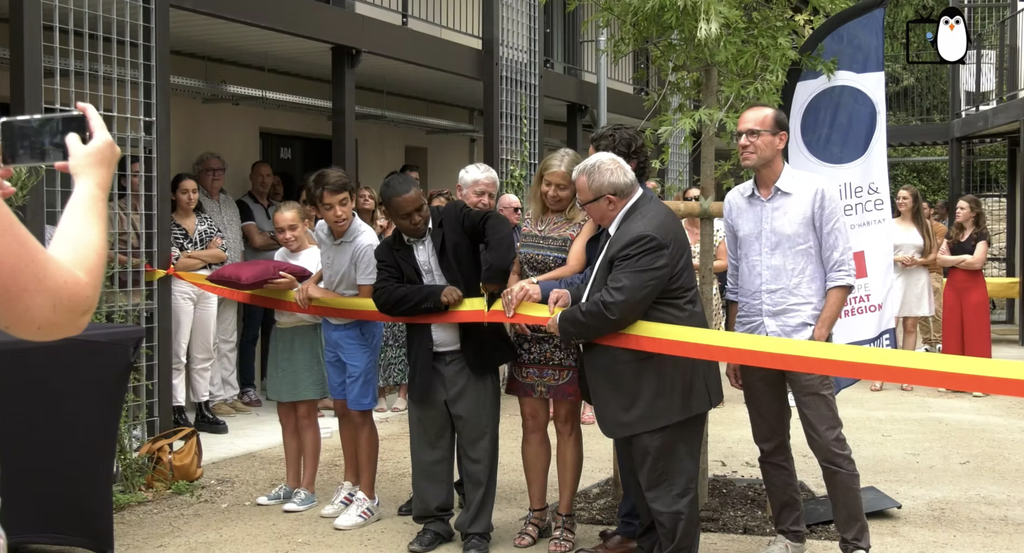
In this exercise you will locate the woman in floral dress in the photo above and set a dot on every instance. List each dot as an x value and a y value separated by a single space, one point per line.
692 226
555 233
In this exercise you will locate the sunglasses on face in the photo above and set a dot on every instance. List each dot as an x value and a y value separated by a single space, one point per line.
692 199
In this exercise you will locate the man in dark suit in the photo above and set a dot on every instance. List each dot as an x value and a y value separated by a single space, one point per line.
431 262
629 144
655 404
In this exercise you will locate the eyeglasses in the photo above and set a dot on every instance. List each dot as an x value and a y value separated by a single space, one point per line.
581 205
751 134
692 199
517 209
217 171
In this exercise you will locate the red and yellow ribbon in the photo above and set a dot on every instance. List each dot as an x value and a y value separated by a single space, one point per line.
995 376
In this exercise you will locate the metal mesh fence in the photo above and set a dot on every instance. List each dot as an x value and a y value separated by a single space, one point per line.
985 176
520 123
677 171
103 52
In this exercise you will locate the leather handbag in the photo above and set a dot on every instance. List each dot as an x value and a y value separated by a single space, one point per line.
169 465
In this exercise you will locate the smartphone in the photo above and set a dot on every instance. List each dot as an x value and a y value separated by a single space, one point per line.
39 139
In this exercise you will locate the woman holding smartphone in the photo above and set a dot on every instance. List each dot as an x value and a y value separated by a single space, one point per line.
197 246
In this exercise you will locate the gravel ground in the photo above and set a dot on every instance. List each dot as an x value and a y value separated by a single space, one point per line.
952 460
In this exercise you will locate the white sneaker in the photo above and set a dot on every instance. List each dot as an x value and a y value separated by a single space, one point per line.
792 400
342 500
924 349
361 513
781 545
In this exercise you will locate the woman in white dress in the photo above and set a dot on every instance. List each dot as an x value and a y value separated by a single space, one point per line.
914 247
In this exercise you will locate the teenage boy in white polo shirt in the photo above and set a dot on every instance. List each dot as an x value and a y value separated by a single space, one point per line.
351 347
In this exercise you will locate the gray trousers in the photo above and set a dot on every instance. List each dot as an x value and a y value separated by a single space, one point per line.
463 404
661 468
768 406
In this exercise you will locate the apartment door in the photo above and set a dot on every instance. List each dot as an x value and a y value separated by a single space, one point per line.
293 158
415 155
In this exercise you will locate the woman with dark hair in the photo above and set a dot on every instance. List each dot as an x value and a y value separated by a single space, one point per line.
439 197
914 248
966 326
197 246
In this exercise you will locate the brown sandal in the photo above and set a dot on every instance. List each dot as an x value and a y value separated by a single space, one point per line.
563 538
534 529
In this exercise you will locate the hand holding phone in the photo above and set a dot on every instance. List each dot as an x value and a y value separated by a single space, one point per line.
32 141
93 162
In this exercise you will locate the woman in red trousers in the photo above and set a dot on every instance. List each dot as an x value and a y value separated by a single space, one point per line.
965 318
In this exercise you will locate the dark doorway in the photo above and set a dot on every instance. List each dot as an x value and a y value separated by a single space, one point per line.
293 158
415 155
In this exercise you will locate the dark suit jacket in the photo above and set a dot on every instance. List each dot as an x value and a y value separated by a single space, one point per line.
458 234
646 274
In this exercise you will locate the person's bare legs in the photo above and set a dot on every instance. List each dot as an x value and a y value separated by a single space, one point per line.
367 449
403 391
309 436
536 451
348 430
569 452
909 341
287 416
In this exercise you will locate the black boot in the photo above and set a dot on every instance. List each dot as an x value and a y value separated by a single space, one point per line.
206 421
180 417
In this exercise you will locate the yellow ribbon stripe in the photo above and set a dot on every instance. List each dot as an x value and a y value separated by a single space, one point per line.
944 371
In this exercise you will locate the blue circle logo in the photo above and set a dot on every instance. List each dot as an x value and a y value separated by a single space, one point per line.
835 135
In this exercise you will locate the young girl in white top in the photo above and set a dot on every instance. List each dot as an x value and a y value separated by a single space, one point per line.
296 378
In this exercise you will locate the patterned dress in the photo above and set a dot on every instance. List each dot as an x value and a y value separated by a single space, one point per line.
394 365
544 368
719 322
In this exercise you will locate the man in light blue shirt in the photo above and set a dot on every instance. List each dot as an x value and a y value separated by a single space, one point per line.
790 271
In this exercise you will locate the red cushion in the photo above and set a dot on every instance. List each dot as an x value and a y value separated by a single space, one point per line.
253 275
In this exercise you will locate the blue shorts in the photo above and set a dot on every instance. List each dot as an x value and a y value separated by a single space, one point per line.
352 355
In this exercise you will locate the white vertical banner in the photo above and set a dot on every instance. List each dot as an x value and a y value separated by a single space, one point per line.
838 131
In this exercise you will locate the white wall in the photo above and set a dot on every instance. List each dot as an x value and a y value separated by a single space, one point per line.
233 131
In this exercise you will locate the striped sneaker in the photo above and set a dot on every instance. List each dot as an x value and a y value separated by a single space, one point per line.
361 513
341 501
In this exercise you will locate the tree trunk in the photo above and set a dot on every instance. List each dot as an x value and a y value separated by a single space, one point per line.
706 276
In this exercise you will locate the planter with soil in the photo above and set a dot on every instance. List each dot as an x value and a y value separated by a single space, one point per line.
735 506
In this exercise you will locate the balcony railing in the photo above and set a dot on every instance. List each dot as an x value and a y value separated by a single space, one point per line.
570 46
916 94
992 72
460 16
570 38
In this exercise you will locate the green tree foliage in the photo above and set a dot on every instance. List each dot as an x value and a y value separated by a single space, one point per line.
750 44
914 93
930 177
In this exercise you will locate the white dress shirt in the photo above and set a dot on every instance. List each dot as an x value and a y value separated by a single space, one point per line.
445 335
611 232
